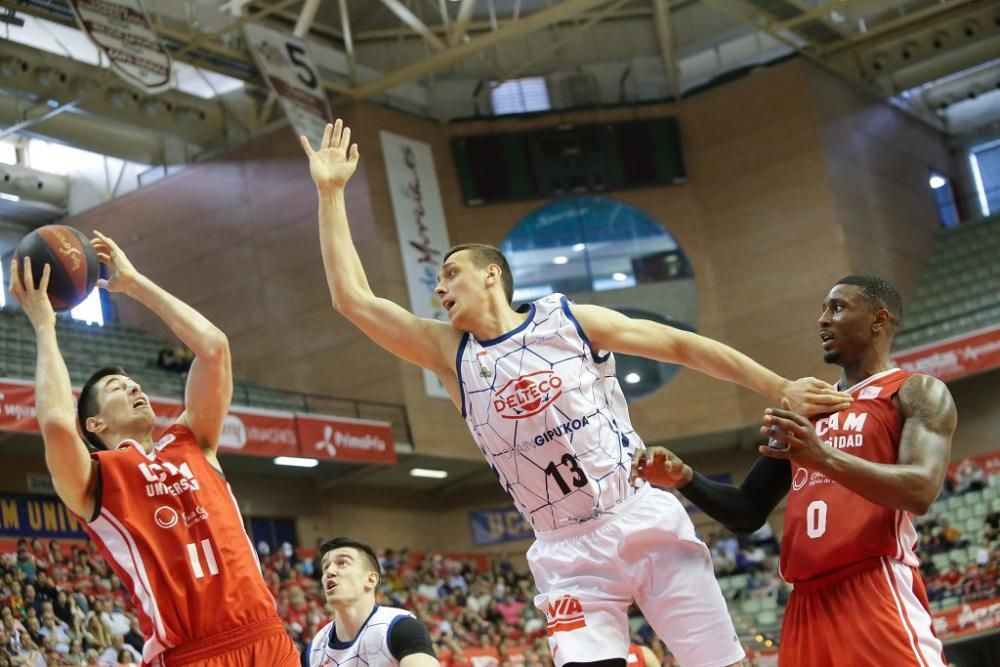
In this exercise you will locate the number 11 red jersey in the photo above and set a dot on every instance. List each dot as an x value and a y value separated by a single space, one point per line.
170 527
827 526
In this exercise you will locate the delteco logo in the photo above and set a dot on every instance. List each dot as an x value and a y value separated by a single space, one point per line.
527 395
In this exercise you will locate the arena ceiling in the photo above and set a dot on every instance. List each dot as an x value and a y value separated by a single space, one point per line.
939 59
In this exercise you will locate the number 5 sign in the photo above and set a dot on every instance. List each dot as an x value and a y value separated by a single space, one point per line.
285 65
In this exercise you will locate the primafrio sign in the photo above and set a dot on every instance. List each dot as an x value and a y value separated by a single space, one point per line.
122 31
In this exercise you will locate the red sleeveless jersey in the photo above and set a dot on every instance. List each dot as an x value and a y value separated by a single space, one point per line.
170 527
828 527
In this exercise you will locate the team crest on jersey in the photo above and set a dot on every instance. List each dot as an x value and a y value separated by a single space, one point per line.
528 394
800 479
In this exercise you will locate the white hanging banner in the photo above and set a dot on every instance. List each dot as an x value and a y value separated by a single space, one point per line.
285 64
423 236
122 31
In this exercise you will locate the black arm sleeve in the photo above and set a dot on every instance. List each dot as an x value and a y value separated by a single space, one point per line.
408 636
744 508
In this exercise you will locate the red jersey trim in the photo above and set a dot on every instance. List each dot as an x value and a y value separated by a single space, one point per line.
120 546
868 380
911 634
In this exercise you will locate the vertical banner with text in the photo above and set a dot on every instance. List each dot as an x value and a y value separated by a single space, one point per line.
285 64
423 236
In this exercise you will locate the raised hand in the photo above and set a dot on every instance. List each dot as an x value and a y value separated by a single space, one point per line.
122 274
34 300
336 159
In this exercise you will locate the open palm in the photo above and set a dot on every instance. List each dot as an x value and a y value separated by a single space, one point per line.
333 164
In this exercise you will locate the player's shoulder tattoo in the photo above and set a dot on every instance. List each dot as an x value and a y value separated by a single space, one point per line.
928 400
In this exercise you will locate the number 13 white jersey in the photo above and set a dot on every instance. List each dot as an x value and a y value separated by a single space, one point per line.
549 416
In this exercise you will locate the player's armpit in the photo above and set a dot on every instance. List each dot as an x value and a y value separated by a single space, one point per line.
930 419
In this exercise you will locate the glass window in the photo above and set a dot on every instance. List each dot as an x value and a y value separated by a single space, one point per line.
520 96
985 162
603 251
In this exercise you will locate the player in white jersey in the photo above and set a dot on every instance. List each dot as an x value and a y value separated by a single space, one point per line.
538 391
363 633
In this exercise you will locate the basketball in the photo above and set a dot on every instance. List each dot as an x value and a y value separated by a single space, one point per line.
74 263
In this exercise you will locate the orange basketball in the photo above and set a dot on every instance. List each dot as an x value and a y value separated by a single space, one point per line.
74 263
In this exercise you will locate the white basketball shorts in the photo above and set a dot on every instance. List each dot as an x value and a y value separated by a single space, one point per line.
644 550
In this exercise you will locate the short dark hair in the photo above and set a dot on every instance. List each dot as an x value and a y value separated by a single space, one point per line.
87 405
482 256
346 542
880 293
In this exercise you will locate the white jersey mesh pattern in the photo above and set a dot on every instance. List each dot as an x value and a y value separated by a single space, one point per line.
549 415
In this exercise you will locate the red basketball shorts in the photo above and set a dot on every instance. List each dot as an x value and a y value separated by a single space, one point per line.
874 614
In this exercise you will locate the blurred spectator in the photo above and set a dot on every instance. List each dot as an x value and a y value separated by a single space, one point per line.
176 358
969 476
112 654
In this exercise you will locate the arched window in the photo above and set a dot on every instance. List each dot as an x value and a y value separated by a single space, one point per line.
603 251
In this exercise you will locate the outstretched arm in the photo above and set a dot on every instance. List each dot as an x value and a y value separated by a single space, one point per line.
421 341
912 483
66 456
611 330
741 509
210 381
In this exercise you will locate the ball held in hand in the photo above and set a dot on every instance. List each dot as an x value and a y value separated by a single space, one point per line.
74 263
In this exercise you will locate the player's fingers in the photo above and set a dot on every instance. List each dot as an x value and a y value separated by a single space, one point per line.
789 425
345 139
327 136
27 277
103 257
306 146
15 278
110 246
43 286
338 127
829 397
355 154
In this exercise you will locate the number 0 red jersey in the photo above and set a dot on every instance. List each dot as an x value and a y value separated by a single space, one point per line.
169 525
828 527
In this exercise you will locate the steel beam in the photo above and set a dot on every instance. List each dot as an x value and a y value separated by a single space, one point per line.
454 54
404 14
668 46
462 21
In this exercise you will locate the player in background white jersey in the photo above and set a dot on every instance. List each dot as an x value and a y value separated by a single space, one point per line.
539 395
363 632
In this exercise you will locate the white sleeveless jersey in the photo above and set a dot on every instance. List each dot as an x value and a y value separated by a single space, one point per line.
369 649
549 416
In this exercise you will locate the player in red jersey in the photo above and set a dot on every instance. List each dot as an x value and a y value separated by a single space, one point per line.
855 477
161 512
